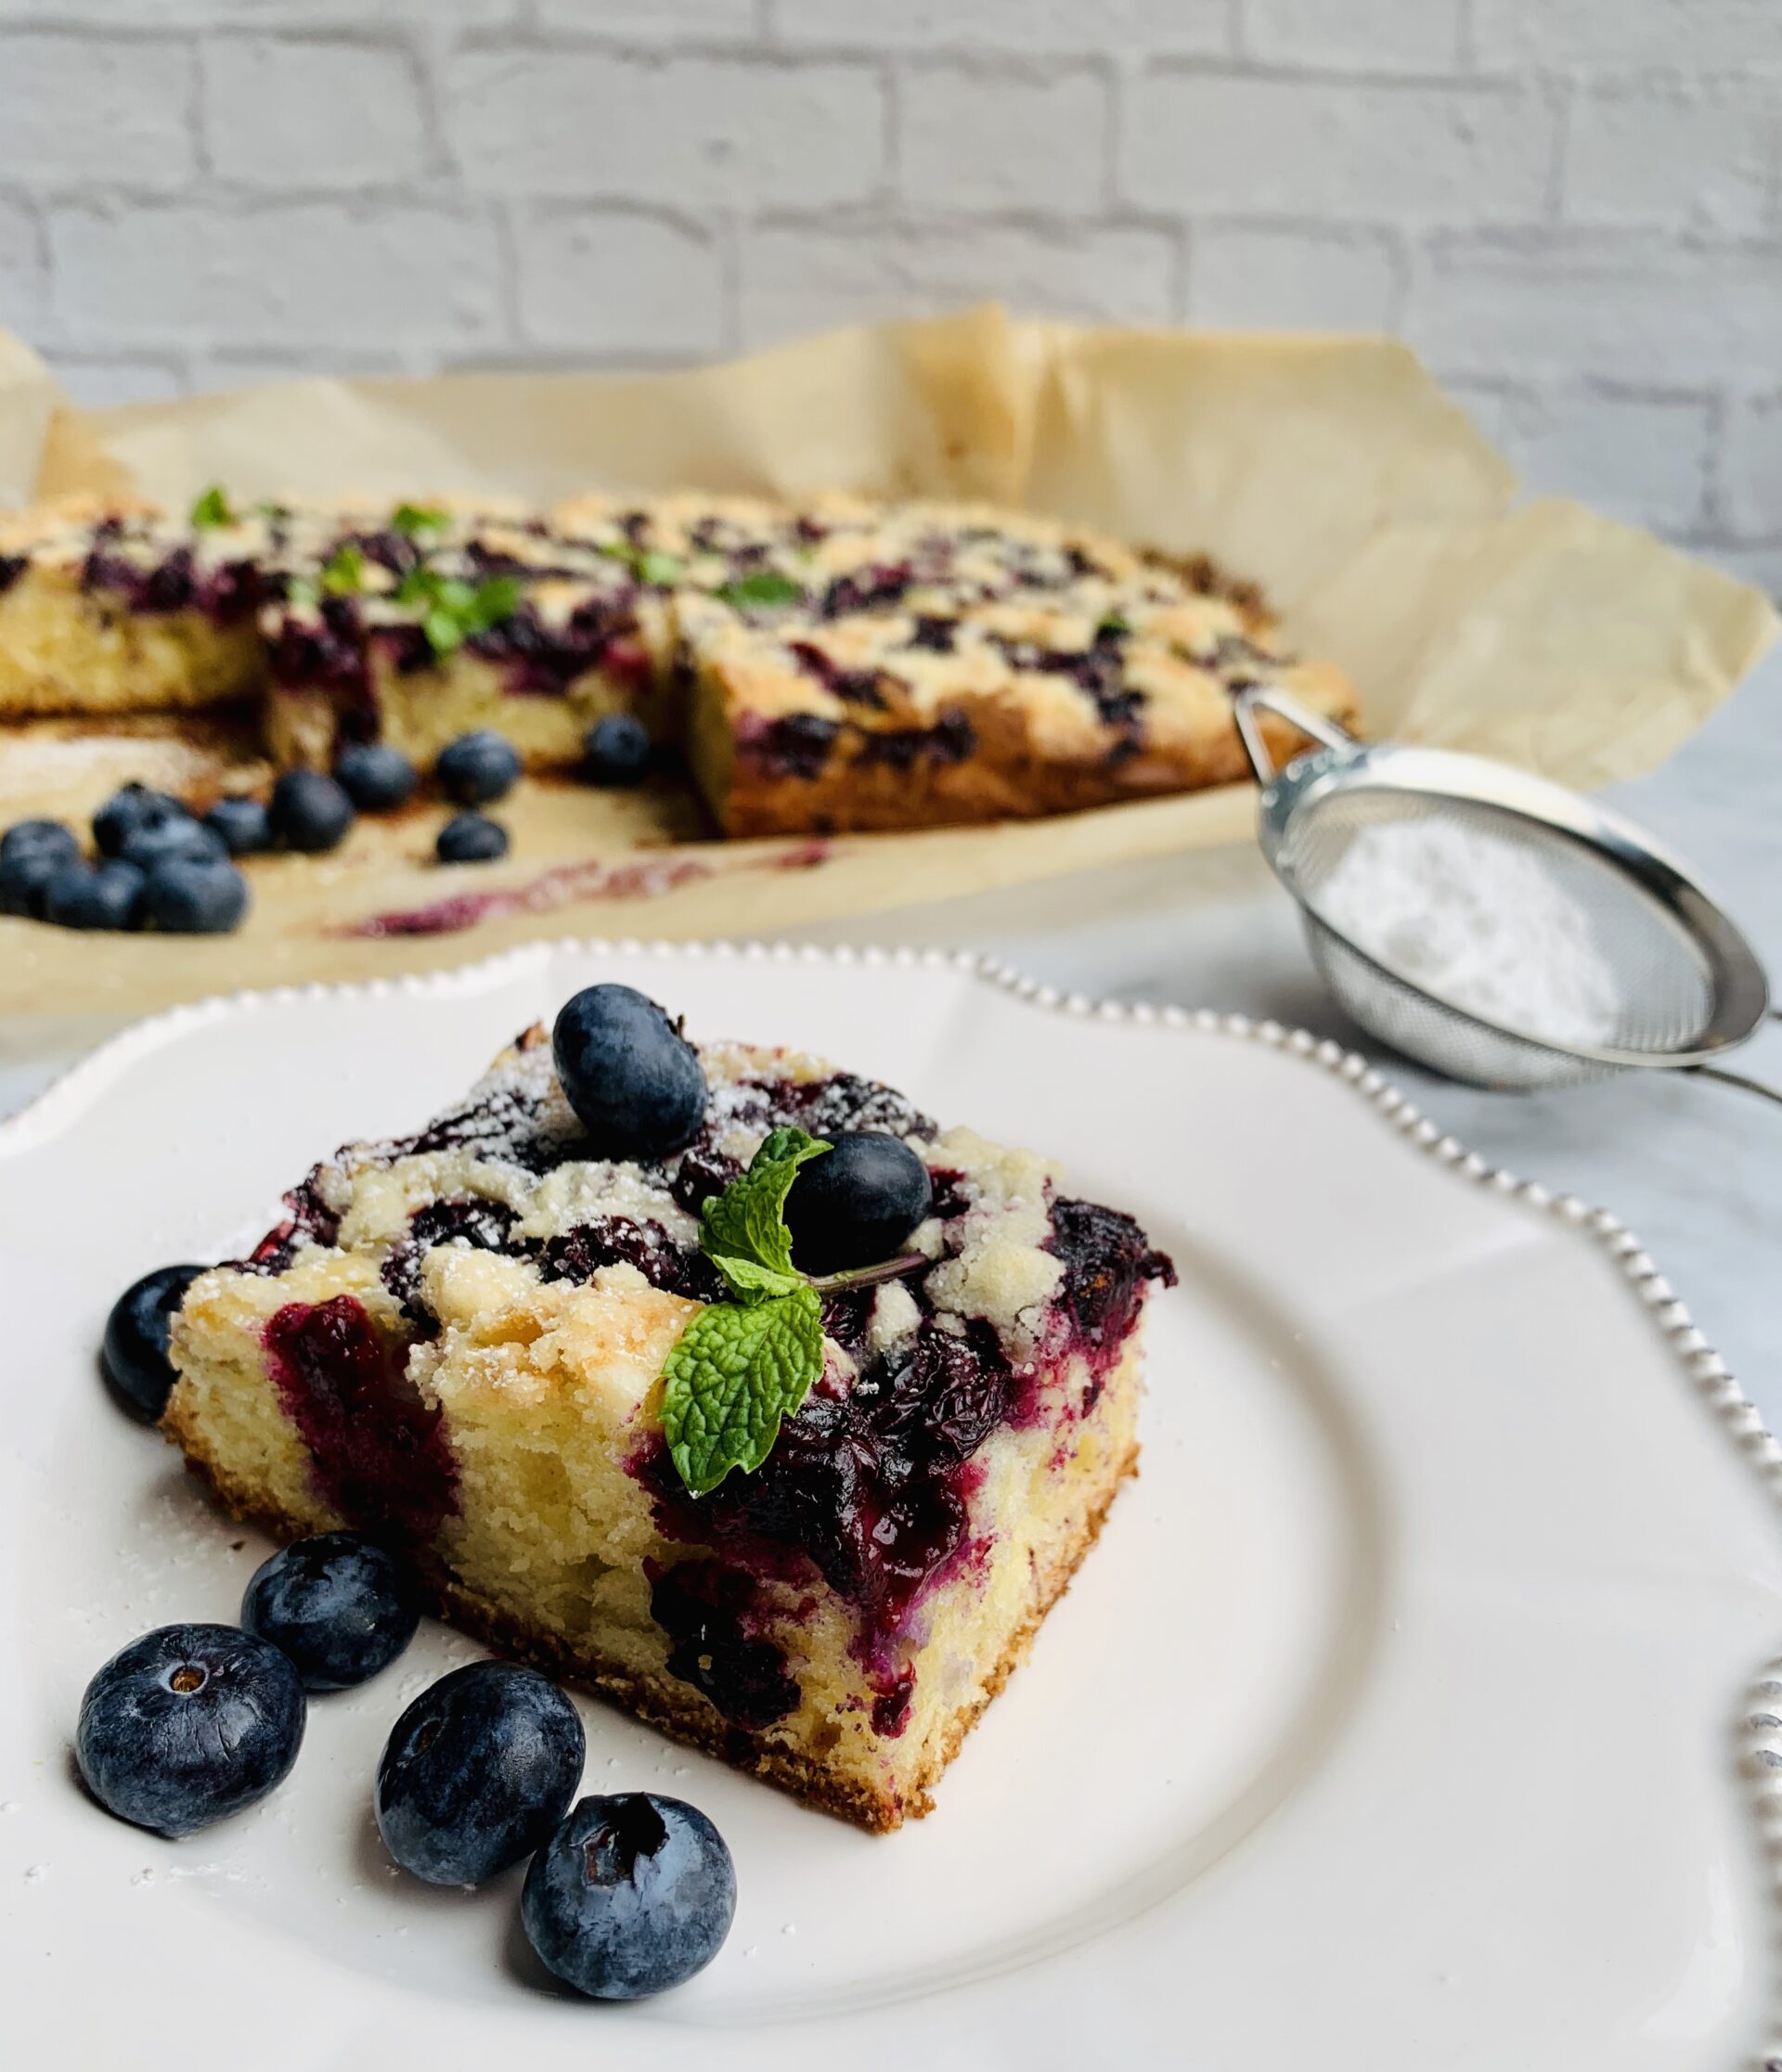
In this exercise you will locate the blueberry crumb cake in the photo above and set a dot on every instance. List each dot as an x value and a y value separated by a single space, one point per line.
825 666
724 1381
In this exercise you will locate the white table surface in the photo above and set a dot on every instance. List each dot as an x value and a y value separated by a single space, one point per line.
1695 1169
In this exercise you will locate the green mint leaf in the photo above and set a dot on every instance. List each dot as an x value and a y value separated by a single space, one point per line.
661 568
734 1374
761 586
743 1229
344 573
213 509
1113 623
493 601
649 564
452 610
417 518
300 591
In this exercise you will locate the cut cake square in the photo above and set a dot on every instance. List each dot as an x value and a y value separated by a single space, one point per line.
453 1341
106 607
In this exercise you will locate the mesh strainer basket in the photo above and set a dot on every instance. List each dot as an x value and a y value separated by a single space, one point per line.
1685 986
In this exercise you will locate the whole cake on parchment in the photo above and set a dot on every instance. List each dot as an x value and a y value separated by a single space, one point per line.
825 666
465 1340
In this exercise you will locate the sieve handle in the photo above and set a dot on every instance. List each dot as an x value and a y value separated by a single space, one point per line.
1255 698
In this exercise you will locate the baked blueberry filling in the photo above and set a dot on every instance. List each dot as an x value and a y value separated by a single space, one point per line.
871 1487
481 1225
706 1611
951 739
376 1451
12 566
578 1255
856 686
797 745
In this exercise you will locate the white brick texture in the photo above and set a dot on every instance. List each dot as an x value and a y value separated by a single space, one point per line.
1572 207
1340 148
1272 280
613 282
975 138
714 133
95 108
300 272
283 114
806 278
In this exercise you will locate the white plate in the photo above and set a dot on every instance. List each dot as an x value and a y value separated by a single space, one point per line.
1393 1725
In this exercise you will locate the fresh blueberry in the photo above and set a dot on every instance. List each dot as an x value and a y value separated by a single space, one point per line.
105 894
135 1338
195 896
471 838
628 1073
189 1725
855 1205
243 824
477 1772
339 1606
478 767
124 812
376 778
616 751
310 812
159 842
25 877
41 837
632 1895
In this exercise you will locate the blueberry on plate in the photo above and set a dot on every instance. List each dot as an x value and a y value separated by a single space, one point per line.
339 1606
159 842
376 776
477 1772
243 825
25 876
628 1073
40 837
189 1725
478 767
471 838
135 1338
855 1205
632 1895
616 751
310 812
126 811
195 896
105 894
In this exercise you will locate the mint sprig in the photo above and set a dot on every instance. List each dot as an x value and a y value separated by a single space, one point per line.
213 509
649 564
343 572
761 586
736 1373
454 611
410 519
740 1367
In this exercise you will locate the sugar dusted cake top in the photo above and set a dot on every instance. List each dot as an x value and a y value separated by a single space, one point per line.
497 1207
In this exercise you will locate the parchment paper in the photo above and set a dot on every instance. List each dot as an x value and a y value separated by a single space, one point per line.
1331 470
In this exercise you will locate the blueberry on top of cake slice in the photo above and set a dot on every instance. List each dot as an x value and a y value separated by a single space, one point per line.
534 1359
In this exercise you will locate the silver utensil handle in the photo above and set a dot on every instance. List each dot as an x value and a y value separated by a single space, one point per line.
1252 697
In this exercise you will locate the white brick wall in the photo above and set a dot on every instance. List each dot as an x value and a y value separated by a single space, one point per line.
1572 207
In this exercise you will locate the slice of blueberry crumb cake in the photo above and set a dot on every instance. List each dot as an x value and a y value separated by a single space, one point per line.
723 1382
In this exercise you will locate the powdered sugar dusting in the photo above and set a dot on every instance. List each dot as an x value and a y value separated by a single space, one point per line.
1478 923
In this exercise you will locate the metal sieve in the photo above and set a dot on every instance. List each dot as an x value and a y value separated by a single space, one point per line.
1687 986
